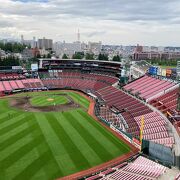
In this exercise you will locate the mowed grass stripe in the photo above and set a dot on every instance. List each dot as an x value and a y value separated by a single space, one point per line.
15 123
77 157
5 116
9 116
35 166
109 135
19 153
61 100
17 167
4 105
51 169
79 99
102 139
13 132
16 137
11 120
36 100
100 151
62 158
43 100
70 140
77 138
15 146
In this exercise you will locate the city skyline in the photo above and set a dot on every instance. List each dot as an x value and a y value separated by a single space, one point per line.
116 22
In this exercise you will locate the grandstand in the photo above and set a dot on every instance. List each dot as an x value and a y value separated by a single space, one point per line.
141 168
166 102
10 76
148 87
83 82
8 87
120 109
138 167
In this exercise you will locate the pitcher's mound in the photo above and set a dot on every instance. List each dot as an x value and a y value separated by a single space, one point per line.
50 99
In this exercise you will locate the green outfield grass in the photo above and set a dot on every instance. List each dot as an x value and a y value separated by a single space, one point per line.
45 146
165 67
49 100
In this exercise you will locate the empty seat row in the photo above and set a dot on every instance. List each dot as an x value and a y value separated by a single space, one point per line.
148 86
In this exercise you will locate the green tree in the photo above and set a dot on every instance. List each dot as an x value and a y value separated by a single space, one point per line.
49 55
116 58
38 56
9 61
12 47
78 55
89 56
103 57
65 56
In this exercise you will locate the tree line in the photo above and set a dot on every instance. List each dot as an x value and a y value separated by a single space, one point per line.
9 61
163 62
12 47
91 56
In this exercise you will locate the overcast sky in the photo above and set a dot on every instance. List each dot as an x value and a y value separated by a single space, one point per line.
147 22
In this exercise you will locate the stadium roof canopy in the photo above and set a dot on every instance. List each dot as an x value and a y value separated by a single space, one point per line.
46 59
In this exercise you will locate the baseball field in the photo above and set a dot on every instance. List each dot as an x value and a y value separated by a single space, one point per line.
36 145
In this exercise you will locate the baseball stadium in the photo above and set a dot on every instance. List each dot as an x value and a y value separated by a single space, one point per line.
79 119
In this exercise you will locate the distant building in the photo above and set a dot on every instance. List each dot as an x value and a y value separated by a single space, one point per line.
32 43
43 52
155 55
95 47
27 54
35 52
139 49
30 53
45 43
146 49
153 52
67 48
2 54
160 49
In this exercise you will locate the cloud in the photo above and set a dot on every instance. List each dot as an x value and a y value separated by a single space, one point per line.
95 33
5 24
25 1
115 21
118 10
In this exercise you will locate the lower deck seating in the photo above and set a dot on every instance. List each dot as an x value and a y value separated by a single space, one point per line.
155 128
76 83
111 118
123 102
167 102
141 169
9 86
11 76
147 86
73 74
32 84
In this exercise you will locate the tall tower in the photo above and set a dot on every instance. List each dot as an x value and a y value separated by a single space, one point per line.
22 39
34 42
78 36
